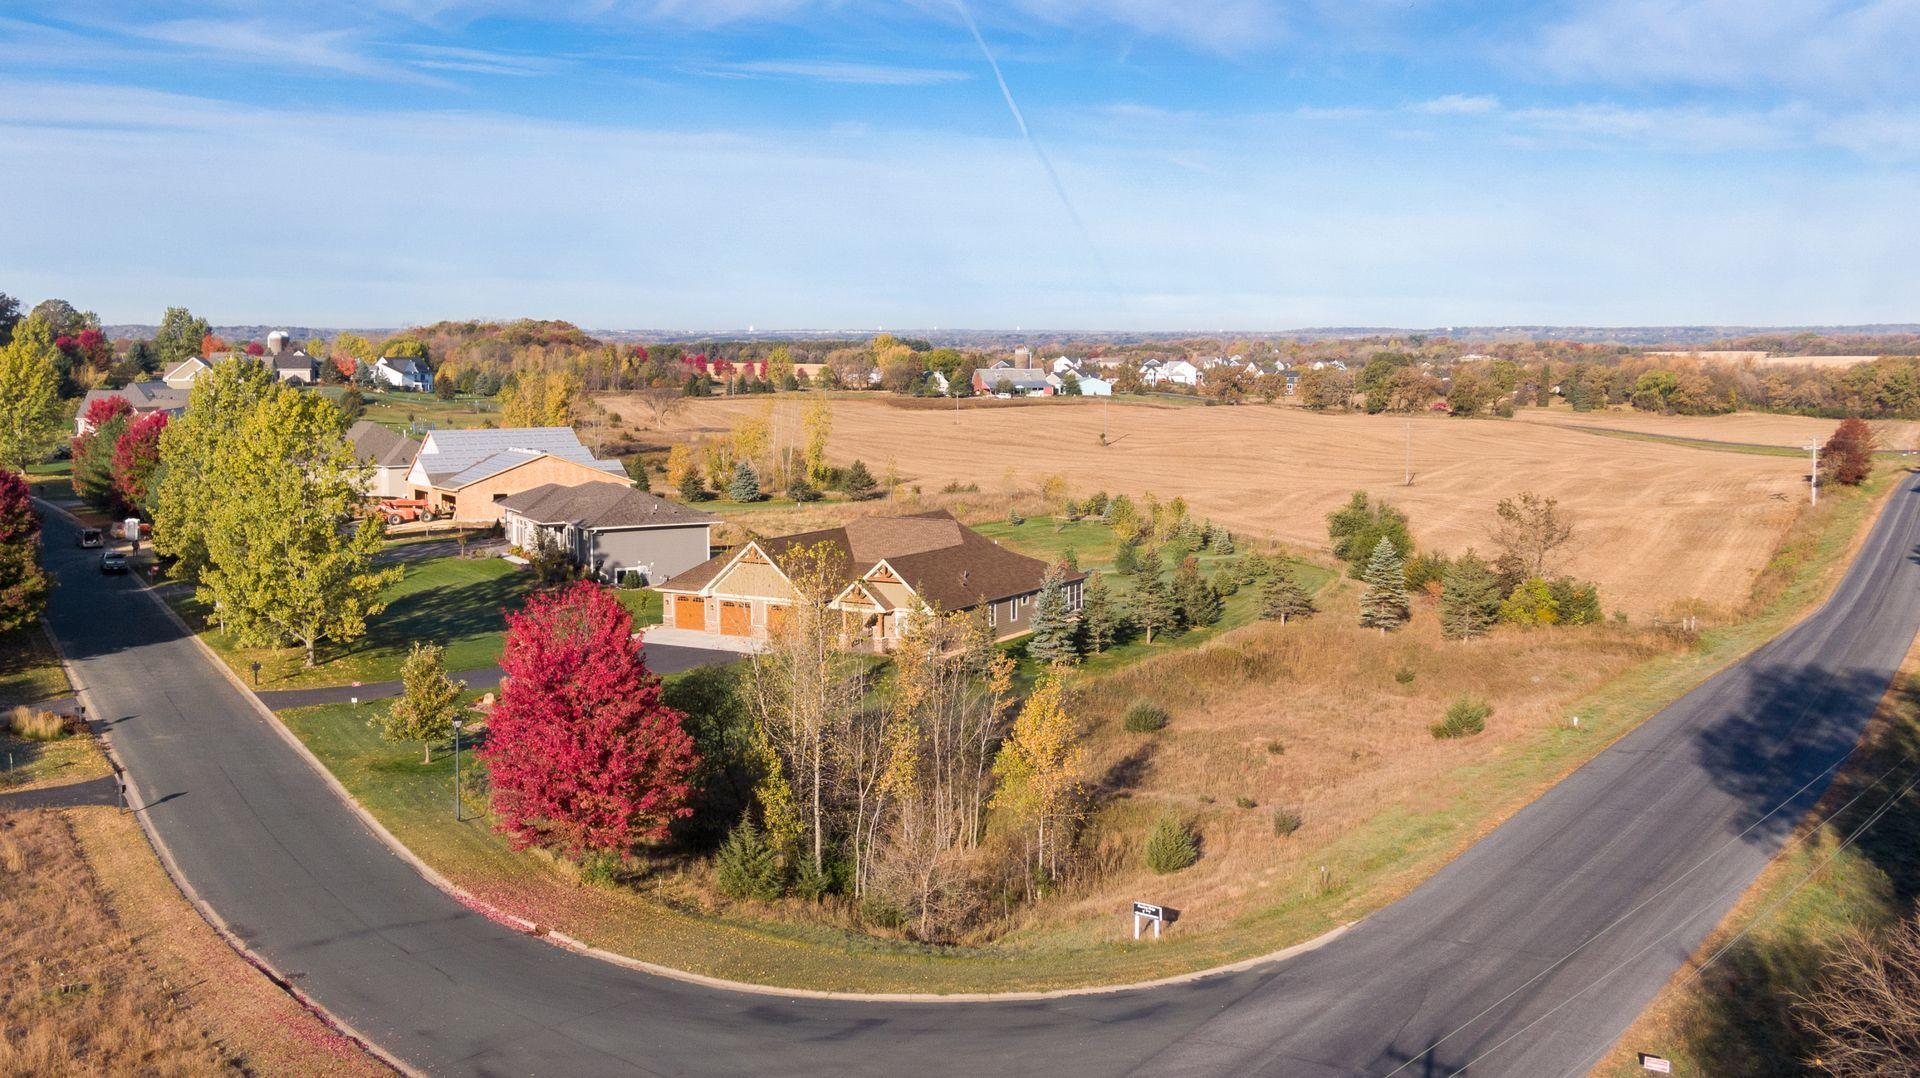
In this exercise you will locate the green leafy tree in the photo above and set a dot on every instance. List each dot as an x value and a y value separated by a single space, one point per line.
9 317
1531 605
1383 605
427 705
1099 616
745 486
31 418
1357 528
178 337
1282 597
287 563
1053 624
859 483
1469 598
193 448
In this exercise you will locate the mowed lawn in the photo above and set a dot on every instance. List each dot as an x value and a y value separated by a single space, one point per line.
458 603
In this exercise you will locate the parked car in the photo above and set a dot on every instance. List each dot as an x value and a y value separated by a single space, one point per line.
113 561
91 537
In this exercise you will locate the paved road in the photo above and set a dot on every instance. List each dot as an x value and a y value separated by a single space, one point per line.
1526 956
661 659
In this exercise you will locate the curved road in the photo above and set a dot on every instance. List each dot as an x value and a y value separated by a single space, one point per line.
1526 956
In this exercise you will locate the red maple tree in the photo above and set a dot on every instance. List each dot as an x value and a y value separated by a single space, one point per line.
210 344
135 456
581 751
1848 455
98 414
23 584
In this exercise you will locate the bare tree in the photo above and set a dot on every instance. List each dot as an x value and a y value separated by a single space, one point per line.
1865 1015
662 403
1531 528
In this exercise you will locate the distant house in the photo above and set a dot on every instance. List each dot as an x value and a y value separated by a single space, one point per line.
145 397
939 382
289 364
892 570
184 372
612 532
390 452
468 473
1012 382
1063 364
403 372
1176 372
1090 385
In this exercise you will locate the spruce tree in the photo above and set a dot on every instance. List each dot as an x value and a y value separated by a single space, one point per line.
1469 598
859 483
692 488
746 485
1282 597
1199 604
1099 618
1383 605
1155 606
1053 625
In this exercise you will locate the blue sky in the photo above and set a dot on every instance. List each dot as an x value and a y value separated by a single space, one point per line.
1221 164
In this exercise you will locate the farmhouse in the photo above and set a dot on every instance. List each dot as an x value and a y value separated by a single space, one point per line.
388 451
468 473
890 570
145 397
611 531
403 372
182 374
1012 382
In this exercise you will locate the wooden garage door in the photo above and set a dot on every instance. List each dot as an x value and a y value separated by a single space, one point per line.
690 612
776 617
735 618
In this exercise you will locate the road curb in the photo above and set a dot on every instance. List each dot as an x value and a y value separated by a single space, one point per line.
539 931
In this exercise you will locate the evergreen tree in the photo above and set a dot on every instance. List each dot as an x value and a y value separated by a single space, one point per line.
748 866
428 702
1383 605
859 483
1053 624
1221 540
93 462
1577 601
1155 607
1282 597
691 487
1469 598
746 485
1099 617
1200 605
1357 528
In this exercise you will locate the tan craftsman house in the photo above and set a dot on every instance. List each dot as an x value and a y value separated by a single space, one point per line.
468 473
892 568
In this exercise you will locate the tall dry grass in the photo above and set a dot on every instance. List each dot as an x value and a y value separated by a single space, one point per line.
32 725
76 998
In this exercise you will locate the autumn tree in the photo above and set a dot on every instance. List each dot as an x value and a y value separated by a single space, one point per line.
93 460
1529 529
1038 768
1847 458
193 448
136 457
1469 598
582 753
1864 1012
23 584
1326 389
287 562
1357 528
428 703
1282 597
540 399
30 412
1383 605
1053 622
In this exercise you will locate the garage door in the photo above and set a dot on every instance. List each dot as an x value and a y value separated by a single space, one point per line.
735 618
690 612
776 618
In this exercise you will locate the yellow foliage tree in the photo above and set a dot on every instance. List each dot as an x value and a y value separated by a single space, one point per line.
819 422
1039 768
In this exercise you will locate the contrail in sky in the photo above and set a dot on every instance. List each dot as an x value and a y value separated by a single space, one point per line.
1046 162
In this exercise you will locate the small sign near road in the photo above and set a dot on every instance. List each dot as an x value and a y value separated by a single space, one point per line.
1147 911
1656 1064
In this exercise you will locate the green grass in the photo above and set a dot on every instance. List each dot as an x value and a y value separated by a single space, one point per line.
458 603
400 410
30 669
643 603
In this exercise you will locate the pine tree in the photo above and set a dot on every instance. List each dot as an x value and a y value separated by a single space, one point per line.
1282 597
1469 598
1200 605
1221 540
746 485
1155 607
859 483
428 703
748 866
1383 605
1054 629
1099 618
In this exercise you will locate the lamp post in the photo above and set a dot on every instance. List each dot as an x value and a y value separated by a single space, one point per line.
256 673
456 770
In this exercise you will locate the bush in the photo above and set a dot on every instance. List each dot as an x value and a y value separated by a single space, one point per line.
1276 748
1465 718
1286 822
802 491
747 866
1171 847
1145 718
1245 802
814 884
600 870
37 725
1404 675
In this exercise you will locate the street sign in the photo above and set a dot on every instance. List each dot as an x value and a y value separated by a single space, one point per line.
1656 1064
1147 911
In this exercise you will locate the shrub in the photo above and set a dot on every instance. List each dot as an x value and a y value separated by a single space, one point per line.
1145 718
1465 718
1285 822
814 884
1404 675
747 866
36 725
1276 748
1245 802
802 491
600 870
1171 847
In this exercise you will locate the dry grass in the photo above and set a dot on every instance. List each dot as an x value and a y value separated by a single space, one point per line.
31 725
1657 523
1751 428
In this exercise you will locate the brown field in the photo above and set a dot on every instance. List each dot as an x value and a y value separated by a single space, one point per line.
1753 428
1656 523
1764 359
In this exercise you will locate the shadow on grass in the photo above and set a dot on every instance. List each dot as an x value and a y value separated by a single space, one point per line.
439 614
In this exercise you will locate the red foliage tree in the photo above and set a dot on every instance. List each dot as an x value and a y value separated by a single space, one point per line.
581 752
103 409
135 456
210 344
346 365
1848 455
23 585
255 348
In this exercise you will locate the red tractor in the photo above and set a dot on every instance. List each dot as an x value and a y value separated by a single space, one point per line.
402 510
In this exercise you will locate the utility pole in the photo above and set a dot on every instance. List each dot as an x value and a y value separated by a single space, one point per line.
1813 474
1409 481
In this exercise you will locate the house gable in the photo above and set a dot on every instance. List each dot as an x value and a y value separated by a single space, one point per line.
753 574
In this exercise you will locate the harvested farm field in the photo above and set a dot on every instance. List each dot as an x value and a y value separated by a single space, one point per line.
1743 428
1656 522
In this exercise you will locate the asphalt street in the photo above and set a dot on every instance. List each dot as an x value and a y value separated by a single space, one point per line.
1528 955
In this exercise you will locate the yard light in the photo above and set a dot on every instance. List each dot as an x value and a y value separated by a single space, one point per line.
256 673
456 770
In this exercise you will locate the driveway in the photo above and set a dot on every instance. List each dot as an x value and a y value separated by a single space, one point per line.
1526 956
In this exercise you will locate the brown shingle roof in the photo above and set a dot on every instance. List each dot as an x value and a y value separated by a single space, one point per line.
946 563
601 505
381 446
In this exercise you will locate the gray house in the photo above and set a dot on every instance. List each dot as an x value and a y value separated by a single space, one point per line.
610 530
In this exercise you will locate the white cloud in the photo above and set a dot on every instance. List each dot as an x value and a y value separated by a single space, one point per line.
834 71
1458 105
